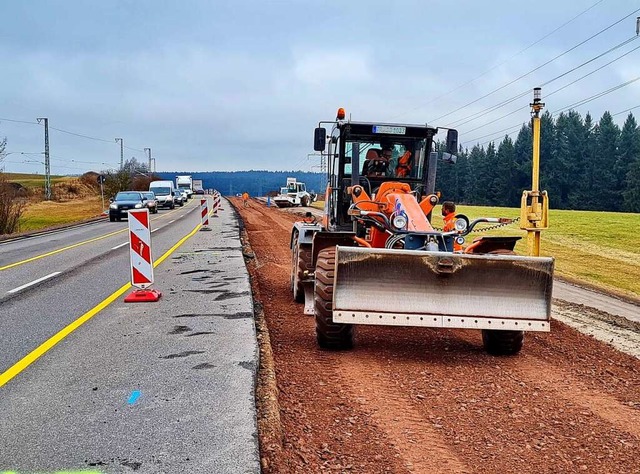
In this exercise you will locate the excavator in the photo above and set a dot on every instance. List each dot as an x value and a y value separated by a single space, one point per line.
376 259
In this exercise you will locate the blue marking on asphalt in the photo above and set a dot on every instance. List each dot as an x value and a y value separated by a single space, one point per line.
134 396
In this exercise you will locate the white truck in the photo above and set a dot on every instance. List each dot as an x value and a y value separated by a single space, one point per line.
197 186
185 184
293 194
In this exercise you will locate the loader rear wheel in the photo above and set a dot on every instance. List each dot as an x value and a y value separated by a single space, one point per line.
304 201
300 262
330 335
502 342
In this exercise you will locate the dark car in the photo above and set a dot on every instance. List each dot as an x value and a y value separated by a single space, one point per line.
152 202
125 201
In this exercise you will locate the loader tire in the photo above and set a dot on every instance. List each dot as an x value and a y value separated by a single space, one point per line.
502 343
330 335
300 262
304 202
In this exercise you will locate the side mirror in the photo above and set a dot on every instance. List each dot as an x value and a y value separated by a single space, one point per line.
449 158
320 139
452 141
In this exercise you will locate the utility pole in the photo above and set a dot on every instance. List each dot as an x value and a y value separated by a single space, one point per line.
149 169
47 167
534 208
121 152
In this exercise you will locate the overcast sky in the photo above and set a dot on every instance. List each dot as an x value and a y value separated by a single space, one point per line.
236 85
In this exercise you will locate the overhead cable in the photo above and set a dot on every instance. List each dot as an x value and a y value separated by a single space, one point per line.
506 60
555 91
536 68
476 115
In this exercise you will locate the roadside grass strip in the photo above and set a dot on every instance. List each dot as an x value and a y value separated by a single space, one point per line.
43 348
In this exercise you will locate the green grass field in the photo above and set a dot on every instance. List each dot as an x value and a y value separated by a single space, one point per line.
31 181
600 249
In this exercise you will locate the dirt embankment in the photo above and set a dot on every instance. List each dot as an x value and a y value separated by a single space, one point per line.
419 400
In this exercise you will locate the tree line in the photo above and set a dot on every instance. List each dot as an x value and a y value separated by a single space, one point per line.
583 165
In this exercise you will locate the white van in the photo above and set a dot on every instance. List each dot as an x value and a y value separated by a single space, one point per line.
165 192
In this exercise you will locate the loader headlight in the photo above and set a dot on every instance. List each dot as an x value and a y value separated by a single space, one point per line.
399 222
461 223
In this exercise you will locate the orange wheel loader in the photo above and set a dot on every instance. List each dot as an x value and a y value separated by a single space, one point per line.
376 259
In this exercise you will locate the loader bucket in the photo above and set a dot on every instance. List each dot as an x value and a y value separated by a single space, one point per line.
401 287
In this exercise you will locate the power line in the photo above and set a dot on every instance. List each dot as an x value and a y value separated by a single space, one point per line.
628 110
536 68
505 61
476 115
596 96
17 121
557 90
563 109
88 137
80 135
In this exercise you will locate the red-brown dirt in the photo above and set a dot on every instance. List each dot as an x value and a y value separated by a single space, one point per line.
419 400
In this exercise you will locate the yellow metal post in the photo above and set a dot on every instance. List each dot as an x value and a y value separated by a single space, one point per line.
535 205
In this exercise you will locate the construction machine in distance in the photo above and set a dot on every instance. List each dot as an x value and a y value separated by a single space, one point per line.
293 194
375 258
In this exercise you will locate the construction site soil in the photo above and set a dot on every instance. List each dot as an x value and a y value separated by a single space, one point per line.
419 400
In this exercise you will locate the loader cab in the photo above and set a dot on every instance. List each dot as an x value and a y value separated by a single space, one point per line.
408 148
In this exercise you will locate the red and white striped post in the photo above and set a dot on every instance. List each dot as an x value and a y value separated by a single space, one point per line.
204 213
215 206
140 257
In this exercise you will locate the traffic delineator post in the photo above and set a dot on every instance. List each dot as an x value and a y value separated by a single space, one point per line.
141 258
204 212
215 206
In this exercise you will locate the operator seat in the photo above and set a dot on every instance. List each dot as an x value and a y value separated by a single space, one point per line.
375 165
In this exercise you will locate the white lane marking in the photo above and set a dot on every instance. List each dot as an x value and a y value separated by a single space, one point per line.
171 222
158 228
118 246
34 282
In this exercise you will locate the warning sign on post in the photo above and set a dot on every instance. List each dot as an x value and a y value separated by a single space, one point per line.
140 249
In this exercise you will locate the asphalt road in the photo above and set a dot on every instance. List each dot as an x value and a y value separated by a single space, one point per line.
147 387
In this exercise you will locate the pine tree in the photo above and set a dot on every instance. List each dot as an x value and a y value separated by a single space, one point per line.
476 165
502 191
627 171
523 154
605 182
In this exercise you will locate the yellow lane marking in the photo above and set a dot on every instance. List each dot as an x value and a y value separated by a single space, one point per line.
39 351
48 254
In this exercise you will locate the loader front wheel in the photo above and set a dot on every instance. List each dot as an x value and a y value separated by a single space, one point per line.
300 263
502 343
330 335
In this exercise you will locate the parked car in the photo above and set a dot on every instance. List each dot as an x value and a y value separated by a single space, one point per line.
125 201
152 202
